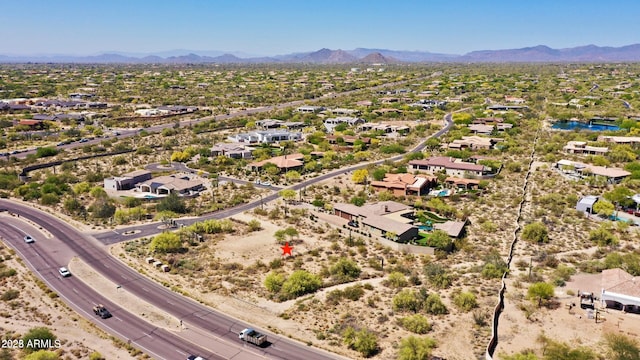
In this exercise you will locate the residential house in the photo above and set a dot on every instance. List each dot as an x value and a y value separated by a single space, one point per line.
348 139
266 136
498 107
331 123
586 204
513 99
381 219
404 184
452 167
629 140
462 183
582 171
269 123
385 128
127 181
284 163
232 150
310 109
620 290
489 129
581 147
345 112
473 143
454 229
180 184
31 124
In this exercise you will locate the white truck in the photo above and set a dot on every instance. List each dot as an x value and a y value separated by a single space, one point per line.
252 336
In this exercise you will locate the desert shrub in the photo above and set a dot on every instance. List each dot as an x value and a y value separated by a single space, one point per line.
406 300
9 295
417 324
345 270
416 348
434 305
465 301
363 341
396 280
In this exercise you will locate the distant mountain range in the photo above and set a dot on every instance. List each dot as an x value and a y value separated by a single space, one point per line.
540 53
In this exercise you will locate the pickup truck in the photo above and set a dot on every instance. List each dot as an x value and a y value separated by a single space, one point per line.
252 336
101 311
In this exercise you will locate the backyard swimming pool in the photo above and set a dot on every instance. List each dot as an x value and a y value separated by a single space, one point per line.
577 125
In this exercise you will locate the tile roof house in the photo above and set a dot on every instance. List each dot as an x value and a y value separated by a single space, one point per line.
310 109
452 228
404 184
488 129
381 219
450 166
620 290
285 162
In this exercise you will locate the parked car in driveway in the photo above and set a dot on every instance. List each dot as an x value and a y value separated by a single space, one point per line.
29 239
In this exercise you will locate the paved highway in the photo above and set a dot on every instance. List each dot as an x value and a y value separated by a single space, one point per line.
146 230
223 330
46 255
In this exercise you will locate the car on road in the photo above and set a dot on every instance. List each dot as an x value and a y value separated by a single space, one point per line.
265 183
83 140
194 357
64 272
101 311
29 239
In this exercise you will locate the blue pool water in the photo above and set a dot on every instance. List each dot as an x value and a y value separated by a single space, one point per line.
425 227
577 125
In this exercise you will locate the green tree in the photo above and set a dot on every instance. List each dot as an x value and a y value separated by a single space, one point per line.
554 350
360 176
416 348
173 203
288 194
273 282
300 282
465 301
540 291
292 175
604 208
345 270
46 152
535 232
102 209
43 337
440 240
166 242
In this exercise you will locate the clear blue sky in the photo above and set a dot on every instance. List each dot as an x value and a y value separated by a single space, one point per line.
270 27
